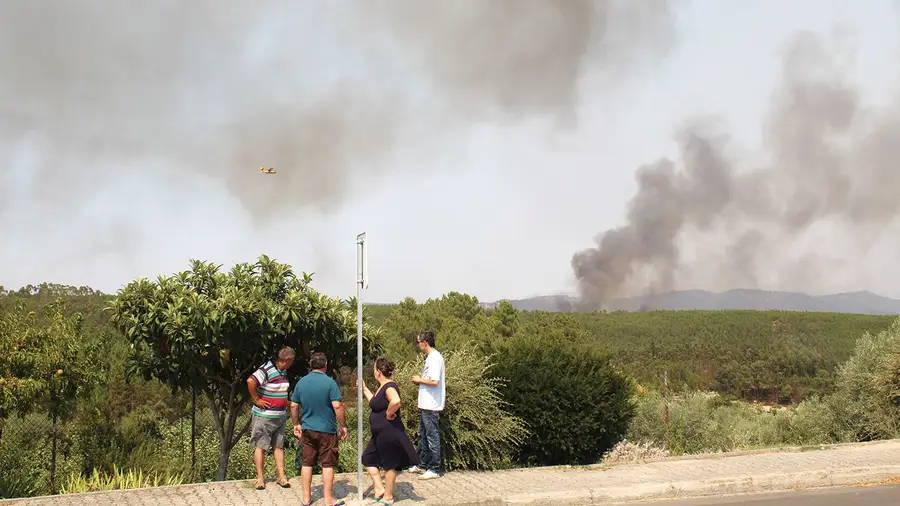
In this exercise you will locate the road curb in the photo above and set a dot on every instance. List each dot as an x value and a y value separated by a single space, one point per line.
750 483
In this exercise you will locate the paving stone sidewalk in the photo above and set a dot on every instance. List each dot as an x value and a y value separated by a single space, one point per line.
665 478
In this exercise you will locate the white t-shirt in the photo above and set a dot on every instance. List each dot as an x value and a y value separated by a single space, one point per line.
432 398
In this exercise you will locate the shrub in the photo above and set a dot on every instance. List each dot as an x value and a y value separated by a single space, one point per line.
25 456
861 405
705 422
813 423
347 455
628 452
576 405
477 430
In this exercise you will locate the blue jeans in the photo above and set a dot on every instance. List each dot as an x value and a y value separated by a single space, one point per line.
430 440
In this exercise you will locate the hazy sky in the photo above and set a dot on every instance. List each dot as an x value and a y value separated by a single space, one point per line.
491 207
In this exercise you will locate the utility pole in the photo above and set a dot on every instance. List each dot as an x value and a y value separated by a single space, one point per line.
666 395
362 283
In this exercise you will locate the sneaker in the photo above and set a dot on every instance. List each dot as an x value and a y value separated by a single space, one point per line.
429 475
415 470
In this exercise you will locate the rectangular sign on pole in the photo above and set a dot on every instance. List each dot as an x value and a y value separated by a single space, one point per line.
362 283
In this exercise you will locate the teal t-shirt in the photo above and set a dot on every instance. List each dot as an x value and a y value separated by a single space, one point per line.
314 393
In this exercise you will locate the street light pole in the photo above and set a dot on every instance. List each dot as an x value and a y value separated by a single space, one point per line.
362 283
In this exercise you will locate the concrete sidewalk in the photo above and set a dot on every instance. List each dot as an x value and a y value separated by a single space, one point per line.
696 476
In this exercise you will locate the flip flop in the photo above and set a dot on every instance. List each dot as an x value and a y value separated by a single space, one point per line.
339 503
260 485
286 484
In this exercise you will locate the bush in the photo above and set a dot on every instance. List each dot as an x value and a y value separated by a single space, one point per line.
705 422
627 452
477 430
576 405
861 405
25 456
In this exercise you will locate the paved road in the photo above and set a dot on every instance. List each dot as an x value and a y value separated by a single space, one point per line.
853 496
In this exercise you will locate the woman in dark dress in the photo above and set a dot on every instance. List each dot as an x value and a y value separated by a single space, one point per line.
390 448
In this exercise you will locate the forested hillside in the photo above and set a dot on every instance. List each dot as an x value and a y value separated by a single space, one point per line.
774 356
765 355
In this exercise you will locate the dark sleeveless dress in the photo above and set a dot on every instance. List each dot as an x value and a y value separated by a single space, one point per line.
390 447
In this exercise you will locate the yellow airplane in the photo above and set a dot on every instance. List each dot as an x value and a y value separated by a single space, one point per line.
264 170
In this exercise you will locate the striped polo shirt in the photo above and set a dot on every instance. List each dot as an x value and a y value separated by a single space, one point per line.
272 386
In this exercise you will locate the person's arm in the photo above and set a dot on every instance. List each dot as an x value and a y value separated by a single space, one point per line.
296 415
341 419
338 406
255 380
429 376
426 381
393 403
367 392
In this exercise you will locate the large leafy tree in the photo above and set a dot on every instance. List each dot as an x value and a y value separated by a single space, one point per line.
208 330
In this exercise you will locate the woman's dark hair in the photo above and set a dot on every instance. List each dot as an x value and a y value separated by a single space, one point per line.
385 366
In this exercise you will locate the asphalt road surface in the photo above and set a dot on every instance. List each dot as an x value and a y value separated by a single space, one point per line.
852 496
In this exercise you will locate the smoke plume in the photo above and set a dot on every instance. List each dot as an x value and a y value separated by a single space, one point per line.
828 157
322 92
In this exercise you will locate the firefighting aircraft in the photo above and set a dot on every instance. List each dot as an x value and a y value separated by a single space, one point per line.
264 170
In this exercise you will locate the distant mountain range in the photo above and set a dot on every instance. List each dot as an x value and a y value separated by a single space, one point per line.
855 302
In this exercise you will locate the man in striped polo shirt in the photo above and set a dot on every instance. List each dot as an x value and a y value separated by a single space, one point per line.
268 388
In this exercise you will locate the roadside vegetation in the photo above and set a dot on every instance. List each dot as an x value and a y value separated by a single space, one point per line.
145 387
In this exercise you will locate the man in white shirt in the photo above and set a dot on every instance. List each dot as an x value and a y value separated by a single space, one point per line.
432 391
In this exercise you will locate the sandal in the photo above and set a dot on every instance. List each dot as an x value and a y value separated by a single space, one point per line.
260 485
285 484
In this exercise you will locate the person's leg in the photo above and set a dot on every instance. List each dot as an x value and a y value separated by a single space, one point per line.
390 477
259 458
424 454
434 441
310 455
377 485
370 461
259 439
278 453
328 485
432 435
306 478
328 458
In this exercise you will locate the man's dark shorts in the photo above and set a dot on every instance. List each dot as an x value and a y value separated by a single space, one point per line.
319 446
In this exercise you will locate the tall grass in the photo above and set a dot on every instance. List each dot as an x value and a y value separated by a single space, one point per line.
119 479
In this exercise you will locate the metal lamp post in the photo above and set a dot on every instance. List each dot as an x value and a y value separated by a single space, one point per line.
362 283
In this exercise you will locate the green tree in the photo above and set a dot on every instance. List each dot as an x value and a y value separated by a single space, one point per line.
575 403
208 330
45 363
506 318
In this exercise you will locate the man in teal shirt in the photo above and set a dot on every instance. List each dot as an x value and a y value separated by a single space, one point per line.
319 399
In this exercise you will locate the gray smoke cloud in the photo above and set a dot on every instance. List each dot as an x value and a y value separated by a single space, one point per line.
827 157
322 92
